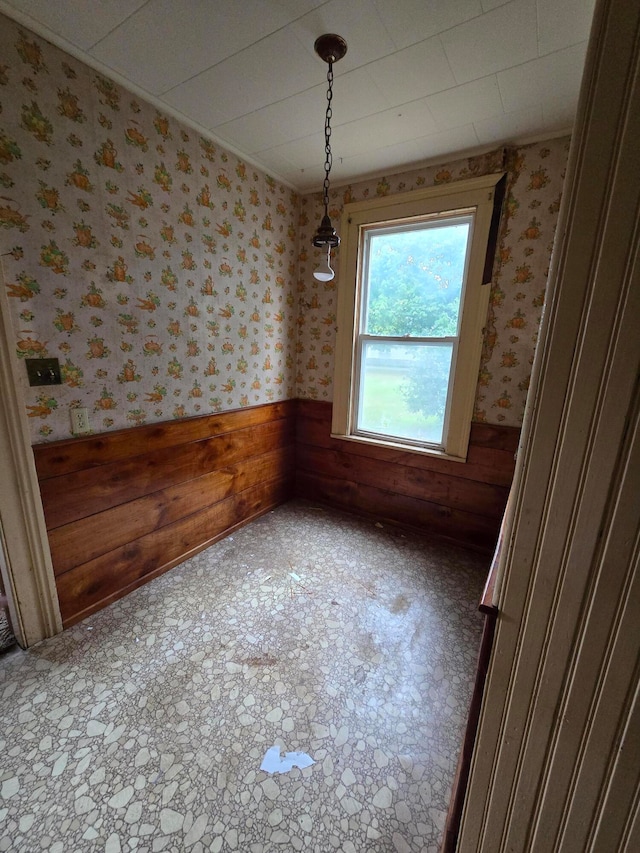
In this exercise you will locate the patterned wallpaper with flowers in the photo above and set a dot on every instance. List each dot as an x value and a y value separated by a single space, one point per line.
157 267
161 270
535 175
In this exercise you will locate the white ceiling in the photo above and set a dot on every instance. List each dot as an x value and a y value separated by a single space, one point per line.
421 79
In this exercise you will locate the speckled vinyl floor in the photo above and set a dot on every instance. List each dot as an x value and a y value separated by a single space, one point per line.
143 728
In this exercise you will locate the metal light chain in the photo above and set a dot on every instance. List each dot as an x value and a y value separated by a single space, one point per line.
327 137
330 48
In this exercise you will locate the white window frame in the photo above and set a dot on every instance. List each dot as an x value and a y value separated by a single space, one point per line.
475 195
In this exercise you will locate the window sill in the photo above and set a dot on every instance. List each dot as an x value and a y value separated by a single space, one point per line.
396 445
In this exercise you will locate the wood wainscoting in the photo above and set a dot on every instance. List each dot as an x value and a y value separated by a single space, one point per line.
463 502
123 507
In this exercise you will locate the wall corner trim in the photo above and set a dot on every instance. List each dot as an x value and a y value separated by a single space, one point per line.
26 565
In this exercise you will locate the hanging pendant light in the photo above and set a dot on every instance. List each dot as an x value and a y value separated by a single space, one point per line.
331 48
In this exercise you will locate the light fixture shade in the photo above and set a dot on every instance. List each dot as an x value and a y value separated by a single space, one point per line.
324 271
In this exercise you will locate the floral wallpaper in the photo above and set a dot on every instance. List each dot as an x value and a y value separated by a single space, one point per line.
172 279
535 175
159 268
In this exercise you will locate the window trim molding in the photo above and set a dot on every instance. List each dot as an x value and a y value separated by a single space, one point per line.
478 193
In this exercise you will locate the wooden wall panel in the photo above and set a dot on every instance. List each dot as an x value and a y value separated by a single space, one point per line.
123 507
96 489
87 538
91 584
63 457
459 501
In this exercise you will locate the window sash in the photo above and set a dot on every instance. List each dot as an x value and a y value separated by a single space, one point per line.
442 201
421 420
425 222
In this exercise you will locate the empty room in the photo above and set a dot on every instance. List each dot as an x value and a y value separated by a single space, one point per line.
292 340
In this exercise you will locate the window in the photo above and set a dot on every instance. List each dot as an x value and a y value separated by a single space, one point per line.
411 309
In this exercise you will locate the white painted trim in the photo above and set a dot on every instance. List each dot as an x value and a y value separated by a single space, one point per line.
555 762
26 568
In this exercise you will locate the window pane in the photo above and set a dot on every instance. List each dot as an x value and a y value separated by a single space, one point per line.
403 389
414 279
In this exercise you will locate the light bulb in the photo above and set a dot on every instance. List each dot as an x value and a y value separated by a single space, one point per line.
324 271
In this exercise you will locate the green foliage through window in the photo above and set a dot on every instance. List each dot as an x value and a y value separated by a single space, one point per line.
415 280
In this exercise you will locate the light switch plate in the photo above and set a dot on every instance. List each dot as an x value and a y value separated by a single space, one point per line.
43 371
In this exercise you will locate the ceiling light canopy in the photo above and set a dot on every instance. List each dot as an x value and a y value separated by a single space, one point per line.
331 48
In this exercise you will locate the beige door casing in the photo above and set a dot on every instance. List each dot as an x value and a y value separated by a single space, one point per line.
25 559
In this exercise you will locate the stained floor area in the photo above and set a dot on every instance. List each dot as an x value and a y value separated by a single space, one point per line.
143 728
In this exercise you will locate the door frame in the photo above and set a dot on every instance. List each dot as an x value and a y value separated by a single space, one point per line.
553 765
25 558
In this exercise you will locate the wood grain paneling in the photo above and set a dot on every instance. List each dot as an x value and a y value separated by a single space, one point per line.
123 507
96 489
87 538
459 501
91 584
490 458
63 457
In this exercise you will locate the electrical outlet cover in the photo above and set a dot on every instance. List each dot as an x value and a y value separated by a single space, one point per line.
80 421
